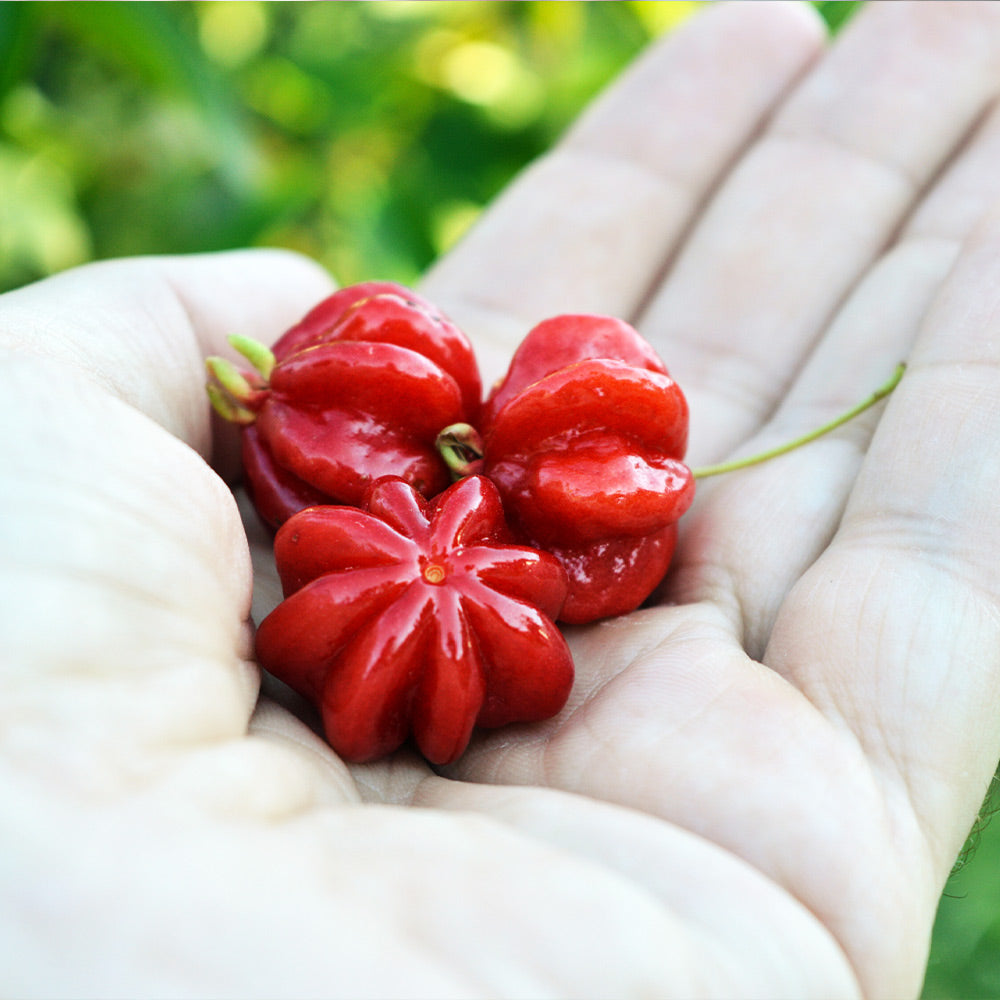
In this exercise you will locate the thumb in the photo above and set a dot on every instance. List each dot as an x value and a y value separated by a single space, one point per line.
125 579
141 327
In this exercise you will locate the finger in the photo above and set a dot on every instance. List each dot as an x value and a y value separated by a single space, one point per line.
142 327
957 202
901 613
590 226
754 533
124 587
814 203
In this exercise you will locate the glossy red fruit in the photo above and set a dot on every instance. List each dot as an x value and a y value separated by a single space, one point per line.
357 390
416 618
585 440
384 312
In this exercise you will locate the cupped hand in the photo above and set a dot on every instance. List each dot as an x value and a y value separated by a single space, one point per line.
760 783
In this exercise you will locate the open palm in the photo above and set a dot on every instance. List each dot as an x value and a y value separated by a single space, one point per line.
760 782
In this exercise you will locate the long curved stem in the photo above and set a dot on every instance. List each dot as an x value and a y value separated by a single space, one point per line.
742 463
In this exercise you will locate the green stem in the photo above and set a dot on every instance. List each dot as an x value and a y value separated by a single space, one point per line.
742 463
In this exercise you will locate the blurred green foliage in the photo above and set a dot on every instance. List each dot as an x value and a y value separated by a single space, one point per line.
368 135
965 952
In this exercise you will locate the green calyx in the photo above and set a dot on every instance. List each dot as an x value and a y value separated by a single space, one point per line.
235 395
461 447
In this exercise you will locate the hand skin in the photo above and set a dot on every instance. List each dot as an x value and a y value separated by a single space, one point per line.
760 785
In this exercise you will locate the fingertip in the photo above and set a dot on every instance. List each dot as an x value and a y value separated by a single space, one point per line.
790 20
258 292
141 327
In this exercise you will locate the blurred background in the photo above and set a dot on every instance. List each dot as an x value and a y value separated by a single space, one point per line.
368 135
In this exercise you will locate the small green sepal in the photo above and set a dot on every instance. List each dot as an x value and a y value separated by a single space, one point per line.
227 407
260 356
229 377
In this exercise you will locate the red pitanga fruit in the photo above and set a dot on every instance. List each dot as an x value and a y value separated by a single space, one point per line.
357 390
415 618
585 439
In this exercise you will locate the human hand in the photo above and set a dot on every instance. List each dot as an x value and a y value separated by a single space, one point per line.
759 786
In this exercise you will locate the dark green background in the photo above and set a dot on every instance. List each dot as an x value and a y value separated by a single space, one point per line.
368 135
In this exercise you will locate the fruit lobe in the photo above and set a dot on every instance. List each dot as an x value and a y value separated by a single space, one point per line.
587 453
